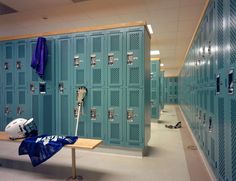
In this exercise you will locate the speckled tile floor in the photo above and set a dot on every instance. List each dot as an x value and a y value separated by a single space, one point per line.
166 160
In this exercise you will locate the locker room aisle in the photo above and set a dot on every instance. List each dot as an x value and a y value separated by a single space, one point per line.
168 160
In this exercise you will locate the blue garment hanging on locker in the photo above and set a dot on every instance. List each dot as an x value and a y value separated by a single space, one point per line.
39 59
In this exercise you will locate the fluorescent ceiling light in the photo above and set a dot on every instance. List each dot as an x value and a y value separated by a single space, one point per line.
155 52
162 64
150 29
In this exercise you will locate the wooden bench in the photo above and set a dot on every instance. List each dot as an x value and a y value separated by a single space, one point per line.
81 143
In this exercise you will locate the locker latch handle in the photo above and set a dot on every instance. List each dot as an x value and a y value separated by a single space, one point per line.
111 59
93 60
32 88
18 65
6 66
111 114
130 115
6 110
61 87
93 114
76 61
130 58
210 125
19 110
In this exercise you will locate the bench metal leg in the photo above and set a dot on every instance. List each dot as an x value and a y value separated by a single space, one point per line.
74 177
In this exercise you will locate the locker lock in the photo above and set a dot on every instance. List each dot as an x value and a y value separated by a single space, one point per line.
6 66
32 88
209 48
152 103
151 75
76 61
18 65
111 114
204 119
6 110
93 60
61 87
210 125
111 59
130 58
93 114
19 110
130 115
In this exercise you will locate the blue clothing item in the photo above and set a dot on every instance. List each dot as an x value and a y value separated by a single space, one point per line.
39 59
41 148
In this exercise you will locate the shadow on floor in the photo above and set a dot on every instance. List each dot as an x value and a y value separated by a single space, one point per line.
49 171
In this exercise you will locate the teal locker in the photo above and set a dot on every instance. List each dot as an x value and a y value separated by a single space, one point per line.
134 117
98 68
115 116
80 60
64 104
8 64
97 109
134 58
114 58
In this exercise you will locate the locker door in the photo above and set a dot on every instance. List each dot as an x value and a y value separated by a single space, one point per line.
115 116
97 110
134 117
97 61
21 80
134 58
8 82
33 88
81 62
114 58
64 103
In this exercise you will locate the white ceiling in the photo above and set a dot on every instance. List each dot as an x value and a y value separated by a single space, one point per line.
173 21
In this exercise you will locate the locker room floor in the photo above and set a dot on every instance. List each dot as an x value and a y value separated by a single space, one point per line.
169 159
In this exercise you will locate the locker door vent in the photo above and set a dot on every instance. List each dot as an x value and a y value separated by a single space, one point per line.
220 34
134 99
114 79
115 43
97 98
80 46
134 41
97 130
134 75
115 134
9 52
232 31
134 132
212 149
233 137
221 137
97 76
115 98
97 44
9 99
79 76
21 97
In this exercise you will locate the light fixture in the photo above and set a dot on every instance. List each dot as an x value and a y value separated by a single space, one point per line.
150 29
155 52
162 64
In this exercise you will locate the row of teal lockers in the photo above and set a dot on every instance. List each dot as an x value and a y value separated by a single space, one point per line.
110 63
207 87
171 90
157 89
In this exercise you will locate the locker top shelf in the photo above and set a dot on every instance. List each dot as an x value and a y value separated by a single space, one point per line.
77 30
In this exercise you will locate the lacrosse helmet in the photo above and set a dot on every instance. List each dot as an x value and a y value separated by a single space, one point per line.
21 128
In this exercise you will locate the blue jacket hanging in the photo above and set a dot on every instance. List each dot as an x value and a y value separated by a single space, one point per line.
39 59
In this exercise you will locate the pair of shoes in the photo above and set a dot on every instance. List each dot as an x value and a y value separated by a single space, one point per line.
169 126
178 125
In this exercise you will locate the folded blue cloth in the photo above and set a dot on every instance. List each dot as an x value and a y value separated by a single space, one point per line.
39 59
41 148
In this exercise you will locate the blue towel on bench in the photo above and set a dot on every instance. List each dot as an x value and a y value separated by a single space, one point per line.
41 148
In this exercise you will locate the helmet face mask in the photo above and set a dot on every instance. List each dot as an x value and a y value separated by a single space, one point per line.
21 128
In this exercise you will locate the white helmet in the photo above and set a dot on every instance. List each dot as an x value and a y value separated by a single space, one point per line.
21 128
